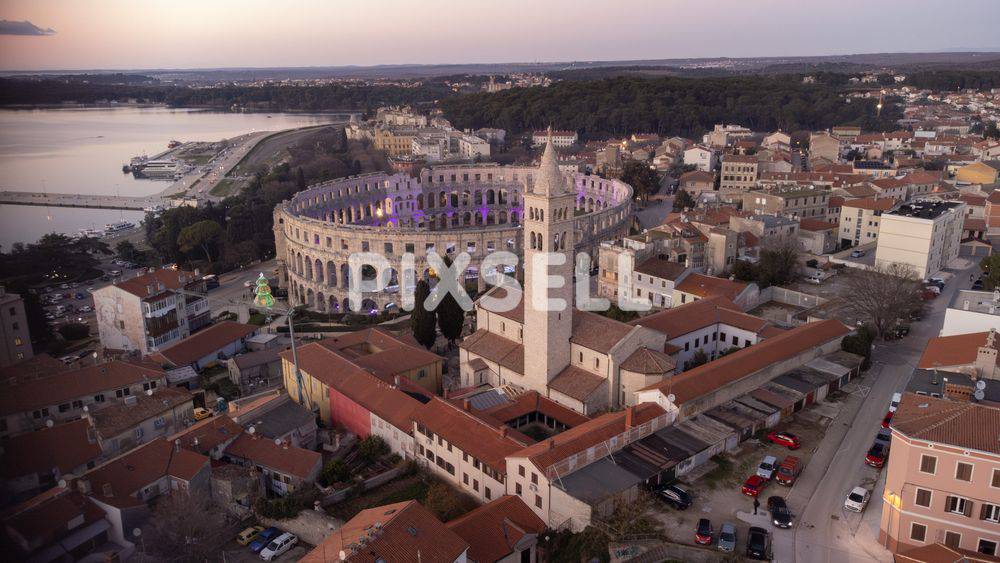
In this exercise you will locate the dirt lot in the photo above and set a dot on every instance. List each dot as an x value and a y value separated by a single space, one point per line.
716 486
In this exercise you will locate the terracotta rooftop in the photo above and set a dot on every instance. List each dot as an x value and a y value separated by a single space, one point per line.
205 342
705 286
576 383
699 314
972 426
116 481
64 446
404 532
532 401
649 362
697 176
113 419
955 350
496 348
477 434
659 268
578 439
494 529
287 459
739 158
51 516
205 435
597 332
380 352
68 385
159 280
38 366
871 204
809 224
497 292
746 361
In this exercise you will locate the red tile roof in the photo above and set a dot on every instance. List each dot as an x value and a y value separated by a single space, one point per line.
116 481
649 362
971 426
113 419
477 434
705 286
532 401
699 314
808 224
205 342
286 459
380 352
494 529
575 440
597 332
742 363
955 350
69 385
660 268
576 383
51 516
405 532
203 436
169 279
64 446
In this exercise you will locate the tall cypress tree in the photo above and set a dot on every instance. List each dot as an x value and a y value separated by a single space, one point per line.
422 321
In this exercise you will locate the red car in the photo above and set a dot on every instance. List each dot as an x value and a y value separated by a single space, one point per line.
787 439
887 420
754 485
704 533
876 456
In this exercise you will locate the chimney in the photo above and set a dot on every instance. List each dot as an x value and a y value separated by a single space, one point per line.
284 444
177 445
629 416
397 380
466 405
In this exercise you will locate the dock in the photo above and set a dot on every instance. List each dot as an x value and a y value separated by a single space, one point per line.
83 200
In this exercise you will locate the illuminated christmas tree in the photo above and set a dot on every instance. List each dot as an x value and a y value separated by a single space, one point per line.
263 293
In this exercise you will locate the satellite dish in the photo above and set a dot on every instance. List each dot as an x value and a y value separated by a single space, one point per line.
277 441
86 408
979 395
50 423
981 384
62 483
149 392
251 430
343 555
671 398
136 532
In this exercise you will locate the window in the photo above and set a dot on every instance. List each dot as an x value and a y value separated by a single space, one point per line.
958 505
963 471
475 485
489 495
736 340
928 464
538 501
952 539
995 482
517 488
465 478
64 407
990 513
922 498
534 478
987 547
918 532
520 470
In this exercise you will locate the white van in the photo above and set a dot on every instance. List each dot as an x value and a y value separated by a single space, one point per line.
278 546
894 403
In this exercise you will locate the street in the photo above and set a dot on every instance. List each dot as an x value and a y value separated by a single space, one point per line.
824 531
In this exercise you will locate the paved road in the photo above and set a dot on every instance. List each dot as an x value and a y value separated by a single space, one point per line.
232 291
825 532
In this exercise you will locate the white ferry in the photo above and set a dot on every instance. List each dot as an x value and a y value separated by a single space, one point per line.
91 233
159 169
112 228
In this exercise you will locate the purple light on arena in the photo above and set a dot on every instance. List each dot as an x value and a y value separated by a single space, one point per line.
484 211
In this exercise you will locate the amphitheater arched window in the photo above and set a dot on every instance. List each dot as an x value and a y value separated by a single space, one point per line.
443 199
466 219
534 246
331 274
345 276
490 218
420 201
455 220
503 217
454 199
298 263
503 197
318 268
466 198
490 197
320 301
479 197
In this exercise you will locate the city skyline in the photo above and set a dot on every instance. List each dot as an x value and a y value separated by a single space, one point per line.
248 34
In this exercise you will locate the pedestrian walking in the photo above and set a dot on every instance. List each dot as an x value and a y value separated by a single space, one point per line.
756 505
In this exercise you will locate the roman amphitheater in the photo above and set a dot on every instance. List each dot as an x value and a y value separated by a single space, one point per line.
447 209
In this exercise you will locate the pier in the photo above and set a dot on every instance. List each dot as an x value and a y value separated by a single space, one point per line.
83 200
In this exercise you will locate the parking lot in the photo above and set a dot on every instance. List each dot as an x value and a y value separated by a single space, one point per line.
716 486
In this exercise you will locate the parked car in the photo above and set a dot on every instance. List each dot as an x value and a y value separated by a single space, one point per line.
674 496
887 419
279 546
727 537
704 534
780 515
201 413
80 296
858 253
894 402
788 470
787 439
264 538
876 455
754 485
977 285
857 499
758 543
86 309
68 359
884 437
767 467
249 534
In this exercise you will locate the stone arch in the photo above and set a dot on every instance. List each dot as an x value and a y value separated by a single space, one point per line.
503 218
318 269
331 274
334 306
309 268
345 305
320 301
420 201
345 276
368 305
443 199
442 221
466 219
310 298
490 197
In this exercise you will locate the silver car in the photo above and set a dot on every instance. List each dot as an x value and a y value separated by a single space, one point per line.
727 537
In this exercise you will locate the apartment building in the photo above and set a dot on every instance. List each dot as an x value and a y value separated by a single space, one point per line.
149 312
739 173
942 481
697 182
824 147
654 280
860 218
971 311
701 157
395 141
471 147
15 342
140 418
925 235
807 201
724 135
561 139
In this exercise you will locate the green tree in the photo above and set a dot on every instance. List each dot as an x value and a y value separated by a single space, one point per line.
699 358
683 200
991 271
450 318
300 179
423 322
127 251
443 502
372 448
202 234
643 179
776 265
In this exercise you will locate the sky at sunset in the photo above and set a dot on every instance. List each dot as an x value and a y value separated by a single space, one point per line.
137 34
